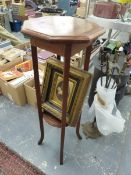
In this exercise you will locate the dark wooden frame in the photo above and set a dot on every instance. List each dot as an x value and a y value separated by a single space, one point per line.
80 81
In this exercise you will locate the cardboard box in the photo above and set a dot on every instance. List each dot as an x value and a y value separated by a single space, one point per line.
18 9
8 66
23 46
30 92
14 93
30 89
26 47
11 64
81 11
42 55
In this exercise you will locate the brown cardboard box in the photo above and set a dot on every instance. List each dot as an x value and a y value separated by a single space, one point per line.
30 89
14 93
11 64
30 92
3 87
8 66
23 46
81 11
18 9
27 47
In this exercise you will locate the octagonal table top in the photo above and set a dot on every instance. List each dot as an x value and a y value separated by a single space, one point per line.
62 29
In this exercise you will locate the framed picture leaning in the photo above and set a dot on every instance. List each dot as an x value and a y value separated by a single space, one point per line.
52 91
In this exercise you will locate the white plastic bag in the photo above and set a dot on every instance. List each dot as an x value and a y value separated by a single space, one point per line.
107 94
107 121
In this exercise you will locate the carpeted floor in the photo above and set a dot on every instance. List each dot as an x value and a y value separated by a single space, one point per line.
12 164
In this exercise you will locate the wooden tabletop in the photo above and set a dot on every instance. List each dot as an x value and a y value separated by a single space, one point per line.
62 28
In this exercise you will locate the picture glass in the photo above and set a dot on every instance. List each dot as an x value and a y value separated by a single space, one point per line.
57 93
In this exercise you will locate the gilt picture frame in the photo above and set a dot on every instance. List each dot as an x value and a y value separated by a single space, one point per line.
52 91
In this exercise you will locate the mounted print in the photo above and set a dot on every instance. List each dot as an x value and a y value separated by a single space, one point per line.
52 91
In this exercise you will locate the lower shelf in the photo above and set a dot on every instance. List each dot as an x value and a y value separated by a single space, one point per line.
51 120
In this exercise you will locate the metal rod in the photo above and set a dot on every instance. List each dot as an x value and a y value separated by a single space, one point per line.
107 68
101 67
108 84
113 85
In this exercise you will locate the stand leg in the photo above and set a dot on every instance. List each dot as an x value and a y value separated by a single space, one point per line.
38 93
78 128
87 57
67 56
86 66
90 128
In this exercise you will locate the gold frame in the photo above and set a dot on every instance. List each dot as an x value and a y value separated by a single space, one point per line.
78 86
53 97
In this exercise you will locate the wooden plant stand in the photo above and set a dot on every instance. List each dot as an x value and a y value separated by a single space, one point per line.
64 36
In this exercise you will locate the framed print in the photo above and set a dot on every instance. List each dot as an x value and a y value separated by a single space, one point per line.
56 93
52 91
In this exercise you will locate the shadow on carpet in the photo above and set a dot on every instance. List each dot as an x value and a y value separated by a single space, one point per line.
13 164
